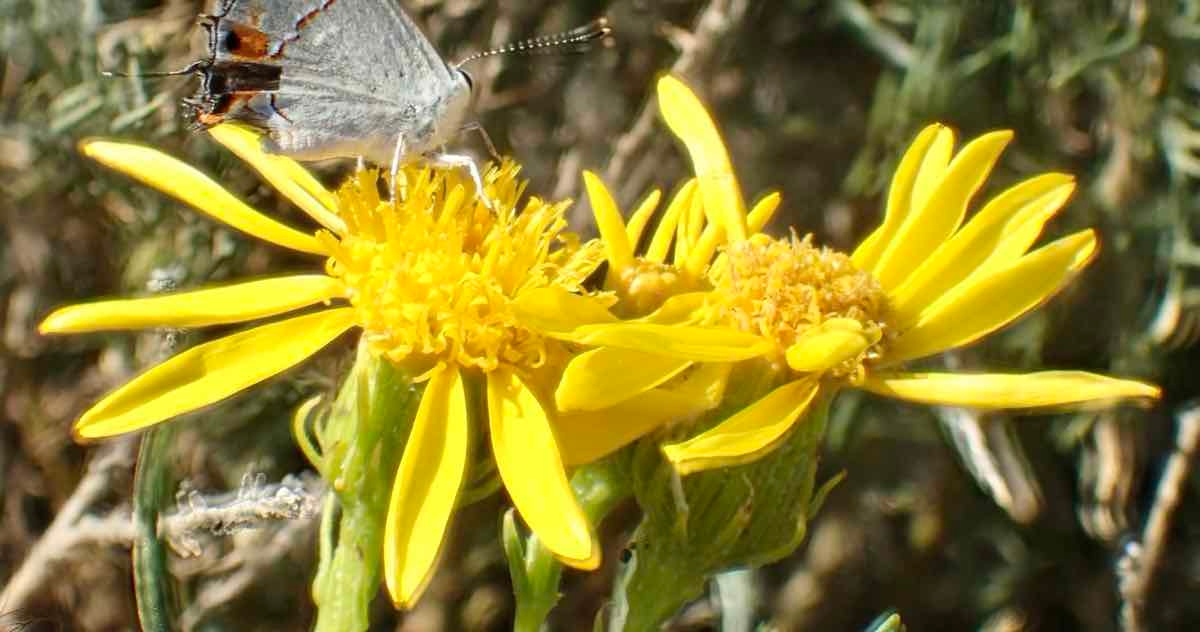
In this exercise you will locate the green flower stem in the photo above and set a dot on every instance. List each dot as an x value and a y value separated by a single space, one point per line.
361 443
152 485
535 571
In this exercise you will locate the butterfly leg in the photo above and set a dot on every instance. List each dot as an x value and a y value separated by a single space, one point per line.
487 140
397 154
462 161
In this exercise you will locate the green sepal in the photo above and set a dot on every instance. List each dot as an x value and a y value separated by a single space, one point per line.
705 523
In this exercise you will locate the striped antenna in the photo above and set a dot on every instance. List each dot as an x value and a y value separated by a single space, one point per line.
576 40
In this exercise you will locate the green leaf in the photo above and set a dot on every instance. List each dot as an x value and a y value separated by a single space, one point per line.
152 485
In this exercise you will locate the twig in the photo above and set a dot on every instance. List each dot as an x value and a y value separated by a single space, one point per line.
295 500
738 594
253 504
1107 470
251 564
1135 570
697 50
63 535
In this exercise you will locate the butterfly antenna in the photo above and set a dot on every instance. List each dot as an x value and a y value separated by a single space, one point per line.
576 40
191 68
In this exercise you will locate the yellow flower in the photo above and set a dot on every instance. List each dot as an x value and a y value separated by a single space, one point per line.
438 284
924 282
631 382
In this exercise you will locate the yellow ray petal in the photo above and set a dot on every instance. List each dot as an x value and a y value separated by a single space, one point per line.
588 436
1021 391
699 344
932 170
929 225
602 377
691 123
554 311
188 185
531 467
641 217
763 211
1002 231
211 372
678 309
283 173
829 344
660 244
703 250
581 264
1023 230
426 487
682 246
610 224
234 303
899 200
746 435
975 309
693 224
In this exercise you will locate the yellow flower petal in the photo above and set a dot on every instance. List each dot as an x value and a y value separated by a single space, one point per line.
610 224
1001 232
1024 228
763 211
690 121
932 170
693 223
899 201
605 376
426 487
702 251
746 435
829 344
640 218
705 248
660 244
978 308
677 309
283 173
211 372
930 224
188 185
683 243
588 436
557 312
699 344
1021 391
581 264
532 470
199 308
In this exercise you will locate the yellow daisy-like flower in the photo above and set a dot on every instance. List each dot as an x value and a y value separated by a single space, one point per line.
438 284
923 283
658 287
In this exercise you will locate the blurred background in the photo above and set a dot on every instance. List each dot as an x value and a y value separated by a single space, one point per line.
956 520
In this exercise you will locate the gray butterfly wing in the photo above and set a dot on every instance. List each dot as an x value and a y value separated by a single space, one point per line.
353 76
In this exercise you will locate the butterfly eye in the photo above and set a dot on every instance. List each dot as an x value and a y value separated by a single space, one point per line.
467 78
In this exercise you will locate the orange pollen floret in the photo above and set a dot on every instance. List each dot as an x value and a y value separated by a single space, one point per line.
432 275
780 288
